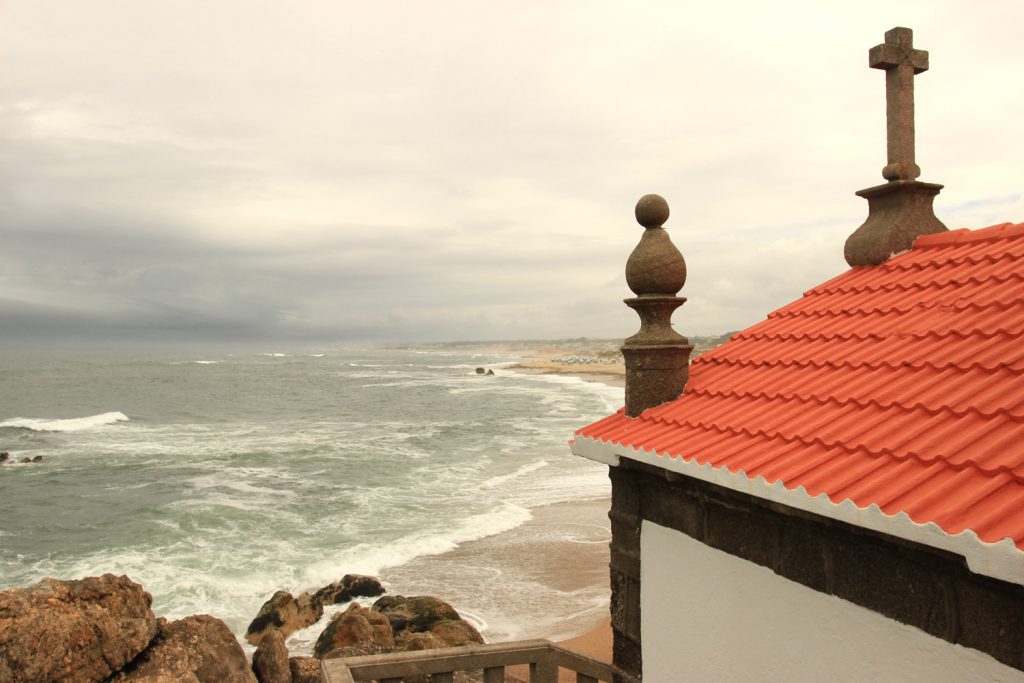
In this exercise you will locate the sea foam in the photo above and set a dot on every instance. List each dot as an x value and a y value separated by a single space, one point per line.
525 469
372 558
75 424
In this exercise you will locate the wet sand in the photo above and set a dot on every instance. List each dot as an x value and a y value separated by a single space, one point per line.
597 360
612 374
559 558
596 643
563 550
596 640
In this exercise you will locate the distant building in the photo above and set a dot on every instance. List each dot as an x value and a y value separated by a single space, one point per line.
838 492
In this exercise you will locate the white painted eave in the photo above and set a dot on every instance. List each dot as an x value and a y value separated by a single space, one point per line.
1001 560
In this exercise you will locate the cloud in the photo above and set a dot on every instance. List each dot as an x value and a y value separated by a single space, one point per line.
460 170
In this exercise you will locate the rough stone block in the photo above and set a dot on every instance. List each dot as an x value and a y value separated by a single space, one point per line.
625 490
670 506
803 557
751 535
991 616
892 583
627 654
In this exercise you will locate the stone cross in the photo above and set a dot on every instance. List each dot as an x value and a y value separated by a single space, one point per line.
901 63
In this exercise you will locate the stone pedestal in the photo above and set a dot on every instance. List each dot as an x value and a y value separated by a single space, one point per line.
899 212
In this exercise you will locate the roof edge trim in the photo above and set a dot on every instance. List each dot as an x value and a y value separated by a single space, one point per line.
1002 560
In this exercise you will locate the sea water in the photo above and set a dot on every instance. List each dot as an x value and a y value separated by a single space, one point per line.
216 479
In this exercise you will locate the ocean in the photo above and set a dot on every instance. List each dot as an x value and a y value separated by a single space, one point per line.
216 479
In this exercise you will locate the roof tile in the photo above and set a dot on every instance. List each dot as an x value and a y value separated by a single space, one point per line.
899 385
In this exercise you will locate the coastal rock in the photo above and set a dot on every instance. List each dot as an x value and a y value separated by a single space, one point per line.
490 372
356 626
479 371
38 458
74 631
424 613
358 651
196 649
270 661
351 586
416 613
420 641
26 459
304 669
4 457
455 633
285 613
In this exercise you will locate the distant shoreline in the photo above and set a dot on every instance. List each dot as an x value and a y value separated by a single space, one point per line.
607 373
595 360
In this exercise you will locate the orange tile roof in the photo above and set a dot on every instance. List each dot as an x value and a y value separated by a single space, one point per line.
899 386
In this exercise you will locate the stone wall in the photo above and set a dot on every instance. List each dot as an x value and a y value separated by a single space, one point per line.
917 585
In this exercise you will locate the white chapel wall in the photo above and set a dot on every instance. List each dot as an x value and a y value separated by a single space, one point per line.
709 616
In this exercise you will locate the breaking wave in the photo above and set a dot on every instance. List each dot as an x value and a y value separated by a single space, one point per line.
74 424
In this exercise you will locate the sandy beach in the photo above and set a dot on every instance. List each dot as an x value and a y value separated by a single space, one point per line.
537 552
597 360
592 633
563 548
560 556
613 374
589 634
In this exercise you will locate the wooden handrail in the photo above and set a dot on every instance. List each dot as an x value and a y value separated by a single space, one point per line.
544 657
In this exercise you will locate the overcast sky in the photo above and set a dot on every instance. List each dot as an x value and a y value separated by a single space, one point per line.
333 171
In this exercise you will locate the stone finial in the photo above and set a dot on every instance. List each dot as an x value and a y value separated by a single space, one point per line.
657 357
901 210
655 266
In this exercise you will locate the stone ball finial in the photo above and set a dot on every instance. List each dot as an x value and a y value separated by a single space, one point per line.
655 268
652 211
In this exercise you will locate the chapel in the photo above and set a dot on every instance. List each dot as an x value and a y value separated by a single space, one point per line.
836 493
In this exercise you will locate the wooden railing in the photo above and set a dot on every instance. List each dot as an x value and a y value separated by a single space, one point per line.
543 657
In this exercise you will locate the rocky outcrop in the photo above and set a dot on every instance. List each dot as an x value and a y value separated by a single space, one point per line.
394 623
423 614
419 641
286 614
304 669
270 661
102 630
196 649
356 627
455 632
4 457
350 587
74 631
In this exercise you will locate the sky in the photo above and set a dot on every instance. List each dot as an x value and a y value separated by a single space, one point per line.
229 171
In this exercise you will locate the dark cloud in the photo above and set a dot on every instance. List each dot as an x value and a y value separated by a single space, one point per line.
230 172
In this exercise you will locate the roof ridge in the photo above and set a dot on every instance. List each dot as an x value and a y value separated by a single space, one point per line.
896 264
894 286
959 305
793 395
972 259
744 336
705 359
962 235
908 455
